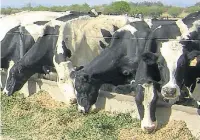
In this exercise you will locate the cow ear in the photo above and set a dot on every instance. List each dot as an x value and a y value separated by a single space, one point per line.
191 55
149 58
78 68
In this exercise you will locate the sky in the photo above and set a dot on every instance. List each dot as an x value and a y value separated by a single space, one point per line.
20 3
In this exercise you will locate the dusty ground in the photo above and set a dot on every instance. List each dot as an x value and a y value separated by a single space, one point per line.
40 117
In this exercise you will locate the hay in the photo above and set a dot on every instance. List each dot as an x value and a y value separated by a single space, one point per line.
174 130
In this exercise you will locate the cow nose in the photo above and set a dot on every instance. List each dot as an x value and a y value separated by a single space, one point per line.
172 90
169 91
149 129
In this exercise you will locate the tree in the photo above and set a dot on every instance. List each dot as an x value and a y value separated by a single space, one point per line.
193 9
174 11
119 7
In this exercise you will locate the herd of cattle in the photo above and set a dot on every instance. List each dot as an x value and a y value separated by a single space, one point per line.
88 50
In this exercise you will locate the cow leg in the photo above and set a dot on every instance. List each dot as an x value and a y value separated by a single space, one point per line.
11 64
146 99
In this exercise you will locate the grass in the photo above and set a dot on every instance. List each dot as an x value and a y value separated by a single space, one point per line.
36 119
40 118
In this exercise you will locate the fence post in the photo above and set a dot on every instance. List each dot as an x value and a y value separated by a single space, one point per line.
21 45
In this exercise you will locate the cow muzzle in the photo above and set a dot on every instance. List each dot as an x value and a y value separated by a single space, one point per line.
83 110
170 92
149 127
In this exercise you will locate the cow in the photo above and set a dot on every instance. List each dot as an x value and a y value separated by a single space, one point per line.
116 65
32 28
192 81
164 64
66 42
12 26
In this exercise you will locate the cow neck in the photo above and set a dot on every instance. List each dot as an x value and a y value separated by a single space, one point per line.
103 64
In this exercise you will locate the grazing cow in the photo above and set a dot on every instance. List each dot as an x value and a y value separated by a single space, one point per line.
116 65
168 51
33 29
67 41
12 26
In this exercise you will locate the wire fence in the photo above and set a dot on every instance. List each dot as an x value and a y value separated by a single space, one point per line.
100 37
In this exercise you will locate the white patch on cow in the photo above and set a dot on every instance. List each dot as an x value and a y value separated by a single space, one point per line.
148 97
81 108
35 31
149 22
26 18
94 12
128 28
171 51
82 36
6 25
65 83
185 31
198 103
11 63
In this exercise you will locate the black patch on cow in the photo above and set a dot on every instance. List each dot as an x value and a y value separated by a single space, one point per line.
40 22
72 15
107 35
10 45
62 57
189 20
102 45
115 28
140 25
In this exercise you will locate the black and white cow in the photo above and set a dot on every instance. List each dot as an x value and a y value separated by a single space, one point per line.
32 34
65 44
163 66
116 65
11 26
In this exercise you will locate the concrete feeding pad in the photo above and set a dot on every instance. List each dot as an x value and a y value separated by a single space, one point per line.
118 103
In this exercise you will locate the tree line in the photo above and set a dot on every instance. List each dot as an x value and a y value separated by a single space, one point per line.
151 9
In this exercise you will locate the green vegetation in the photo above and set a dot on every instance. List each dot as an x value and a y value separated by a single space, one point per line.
39 117
153 9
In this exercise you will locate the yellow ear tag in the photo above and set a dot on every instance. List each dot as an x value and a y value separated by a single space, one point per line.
193 62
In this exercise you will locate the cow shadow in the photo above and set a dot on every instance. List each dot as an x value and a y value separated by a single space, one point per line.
163 113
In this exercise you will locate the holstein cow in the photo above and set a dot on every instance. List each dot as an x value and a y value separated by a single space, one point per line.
163 66
32 30
66 42
12 26
192 81
116 65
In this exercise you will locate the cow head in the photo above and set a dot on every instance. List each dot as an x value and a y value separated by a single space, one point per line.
87 89
172 63
65 83
146 104
87 83
17 77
